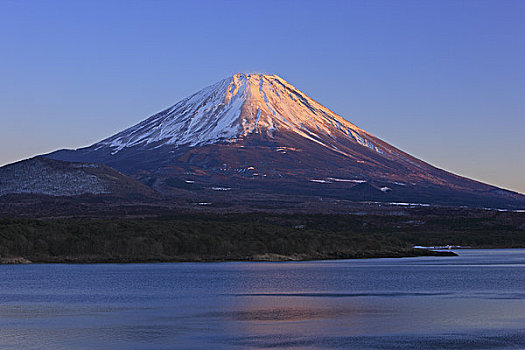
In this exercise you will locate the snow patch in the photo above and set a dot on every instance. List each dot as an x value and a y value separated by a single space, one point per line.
347 180
321 181
221 188
410 204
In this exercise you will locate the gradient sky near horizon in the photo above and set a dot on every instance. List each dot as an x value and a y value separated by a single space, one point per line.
442 80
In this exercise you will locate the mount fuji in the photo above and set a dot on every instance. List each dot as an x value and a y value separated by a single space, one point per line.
257 135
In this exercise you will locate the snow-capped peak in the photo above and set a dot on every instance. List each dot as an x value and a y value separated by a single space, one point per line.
236 107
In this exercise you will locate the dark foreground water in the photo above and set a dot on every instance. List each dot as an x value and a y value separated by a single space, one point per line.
474 301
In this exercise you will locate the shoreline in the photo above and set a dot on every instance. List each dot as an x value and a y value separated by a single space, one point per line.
266 257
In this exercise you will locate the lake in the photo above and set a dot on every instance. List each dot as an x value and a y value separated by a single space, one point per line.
473 301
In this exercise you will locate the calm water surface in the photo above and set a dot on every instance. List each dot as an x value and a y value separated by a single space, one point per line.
474 301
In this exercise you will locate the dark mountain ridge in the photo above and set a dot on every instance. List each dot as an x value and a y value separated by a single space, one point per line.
51 177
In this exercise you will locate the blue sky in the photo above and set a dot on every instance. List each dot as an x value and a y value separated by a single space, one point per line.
442 80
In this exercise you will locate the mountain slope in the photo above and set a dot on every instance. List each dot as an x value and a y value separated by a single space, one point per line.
57 178
258 133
